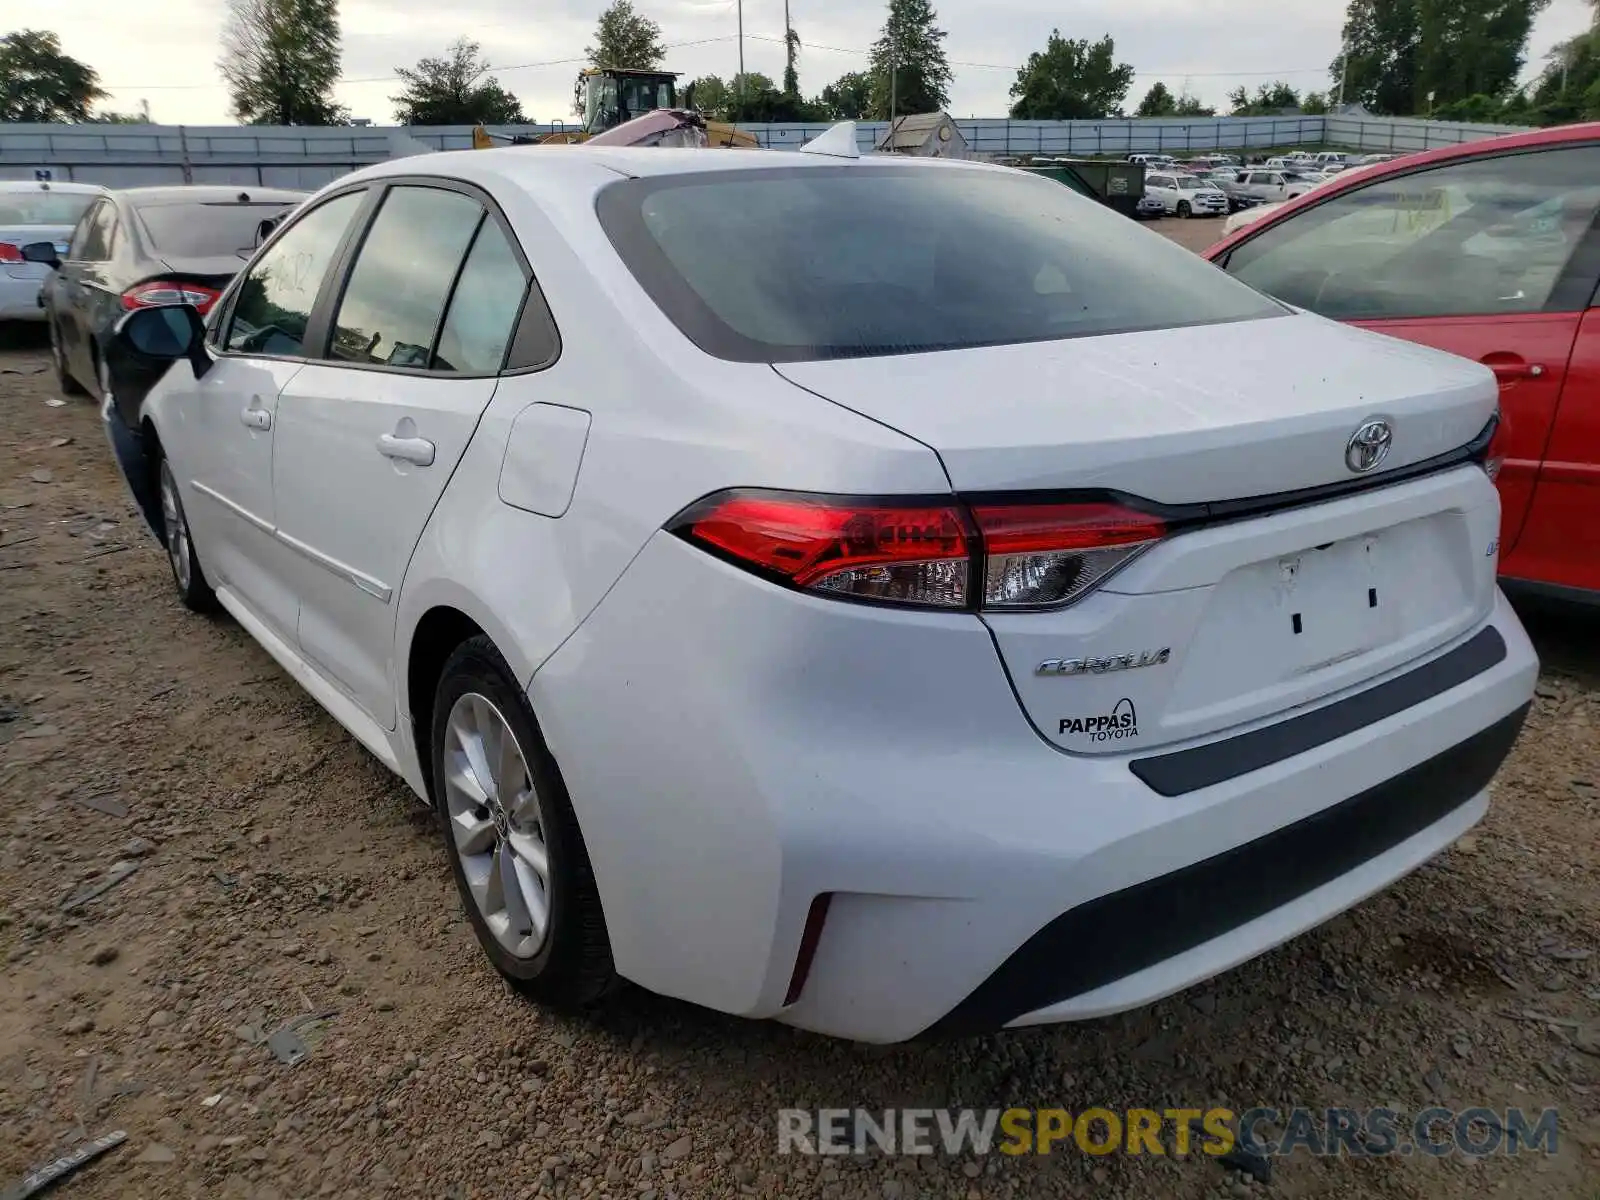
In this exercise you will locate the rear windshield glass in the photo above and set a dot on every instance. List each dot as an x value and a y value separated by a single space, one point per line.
43 208
207 230
828 262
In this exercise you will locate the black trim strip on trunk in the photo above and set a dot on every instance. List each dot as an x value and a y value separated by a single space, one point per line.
1114 936
1186 771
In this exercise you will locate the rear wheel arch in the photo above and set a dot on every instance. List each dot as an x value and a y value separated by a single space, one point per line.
440 630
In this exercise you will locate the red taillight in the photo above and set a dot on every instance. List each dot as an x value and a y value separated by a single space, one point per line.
10 253
169 291
906 553
923 553
1043 555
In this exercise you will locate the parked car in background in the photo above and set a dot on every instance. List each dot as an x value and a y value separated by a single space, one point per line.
1149 208
34 212
1184 195
1165 161
705 596
1331 159
1489 250
1269 186
1226 179
142 247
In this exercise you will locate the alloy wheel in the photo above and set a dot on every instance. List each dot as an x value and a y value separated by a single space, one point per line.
177 528
497 825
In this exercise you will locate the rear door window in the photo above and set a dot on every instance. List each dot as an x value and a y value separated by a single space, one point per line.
394 302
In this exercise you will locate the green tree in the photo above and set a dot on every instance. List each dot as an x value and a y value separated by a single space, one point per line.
38 83
710 95
791 57
119 118
280 59
848 98
1157 102
1315 104
1190 106
1071 80
453 91
1269 99
626 38
909 69
1400 51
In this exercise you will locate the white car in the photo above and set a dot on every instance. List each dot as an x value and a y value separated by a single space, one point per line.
1185 195
1250 216
32 212
837 590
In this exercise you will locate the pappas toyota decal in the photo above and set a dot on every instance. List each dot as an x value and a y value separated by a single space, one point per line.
1121 722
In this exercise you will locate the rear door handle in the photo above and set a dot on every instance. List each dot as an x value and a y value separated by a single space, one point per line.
415 450
256 418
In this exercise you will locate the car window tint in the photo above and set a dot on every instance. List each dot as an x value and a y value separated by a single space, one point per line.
277 295
95 245
402 275
208 230
484 308
885 259
1486 237
39 207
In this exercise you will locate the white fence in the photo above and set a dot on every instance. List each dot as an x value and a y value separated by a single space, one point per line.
266 156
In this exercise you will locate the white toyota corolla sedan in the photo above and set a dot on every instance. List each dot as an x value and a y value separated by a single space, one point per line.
841 589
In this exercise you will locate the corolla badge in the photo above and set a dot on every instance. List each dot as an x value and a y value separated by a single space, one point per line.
1368 446
1102 666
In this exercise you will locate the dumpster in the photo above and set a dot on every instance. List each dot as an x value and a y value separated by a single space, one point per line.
1117 185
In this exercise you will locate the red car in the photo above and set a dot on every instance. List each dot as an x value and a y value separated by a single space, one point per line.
1490 250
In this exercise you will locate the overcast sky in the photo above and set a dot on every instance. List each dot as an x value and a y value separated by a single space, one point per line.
1210 46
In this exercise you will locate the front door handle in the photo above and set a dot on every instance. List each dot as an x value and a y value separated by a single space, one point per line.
256 418
415 450
1508 368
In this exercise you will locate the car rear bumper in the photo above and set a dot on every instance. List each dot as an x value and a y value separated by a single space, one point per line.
735 750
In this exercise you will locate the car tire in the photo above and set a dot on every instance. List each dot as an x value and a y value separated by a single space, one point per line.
187 575
64 380
1184 211
512 837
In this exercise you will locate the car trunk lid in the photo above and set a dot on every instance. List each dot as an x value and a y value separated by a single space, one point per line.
1275 587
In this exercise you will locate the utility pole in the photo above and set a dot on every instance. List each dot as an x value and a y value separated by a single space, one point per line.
740 99
1344 69
894 66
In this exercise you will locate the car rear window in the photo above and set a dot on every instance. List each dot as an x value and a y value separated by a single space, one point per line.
207 229
791 264
43 208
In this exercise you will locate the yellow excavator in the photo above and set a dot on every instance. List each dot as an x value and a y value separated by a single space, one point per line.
612 96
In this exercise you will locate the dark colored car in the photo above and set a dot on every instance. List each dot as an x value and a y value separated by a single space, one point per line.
145 247
1228 181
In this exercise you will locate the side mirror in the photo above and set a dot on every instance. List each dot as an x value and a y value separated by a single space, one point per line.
42 252
166 333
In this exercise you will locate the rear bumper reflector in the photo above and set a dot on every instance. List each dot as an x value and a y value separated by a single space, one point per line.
1186 771
1115 936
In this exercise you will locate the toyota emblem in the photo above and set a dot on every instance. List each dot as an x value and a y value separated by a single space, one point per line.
1368 446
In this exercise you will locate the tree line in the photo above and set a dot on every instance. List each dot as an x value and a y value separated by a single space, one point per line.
1449 59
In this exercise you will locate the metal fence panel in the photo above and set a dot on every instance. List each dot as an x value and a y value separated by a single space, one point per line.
132 155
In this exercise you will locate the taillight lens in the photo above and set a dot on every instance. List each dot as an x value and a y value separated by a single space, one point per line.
1026 556
1495 457
167 291
10 253
1044 555
900 553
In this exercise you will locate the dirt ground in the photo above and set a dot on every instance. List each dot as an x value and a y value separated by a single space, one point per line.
281 873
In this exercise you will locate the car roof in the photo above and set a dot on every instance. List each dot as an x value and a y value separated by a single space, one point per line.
1534 139
150 197
50 185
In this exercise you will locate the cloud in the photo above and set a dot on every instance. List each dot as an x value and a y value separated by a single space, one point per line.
1208 46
